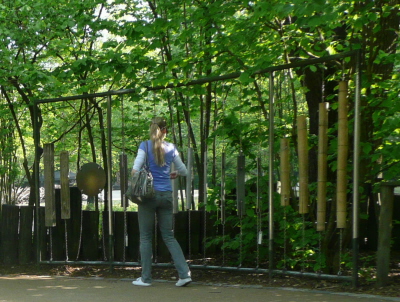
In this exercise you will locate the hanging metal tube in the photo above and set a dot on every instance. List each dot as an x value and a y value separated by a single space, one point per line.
271 174
356 167
240 185
223 214
205 182
189 165
36 137
109 183
175 188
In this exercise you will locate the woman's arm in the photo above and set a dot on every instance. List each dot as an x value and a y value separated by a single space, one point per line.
180 168
139 161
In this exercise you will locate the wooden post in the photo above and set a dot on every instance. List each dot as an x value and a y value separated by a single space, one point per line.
322 165
343 149
384 233
303 164
49 193
64 181
285 172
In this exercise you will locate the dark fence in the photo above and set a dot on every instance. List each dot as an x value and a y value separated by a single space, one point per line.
85 236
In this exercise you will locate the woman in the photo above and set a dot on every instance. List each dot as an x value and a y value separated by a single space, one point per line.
160 155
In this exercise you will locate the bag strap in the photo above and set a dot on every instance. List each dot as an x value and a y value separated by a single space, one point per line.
147 165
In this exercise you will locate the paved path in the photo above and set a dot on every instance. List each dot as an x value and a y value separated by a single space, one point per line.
60 289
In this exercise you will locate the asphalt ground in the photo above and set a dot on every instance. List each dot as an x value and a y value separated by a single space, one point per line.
71 289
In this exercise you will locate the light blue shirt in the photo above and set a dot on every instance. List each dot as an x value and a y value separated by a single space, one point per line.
161 175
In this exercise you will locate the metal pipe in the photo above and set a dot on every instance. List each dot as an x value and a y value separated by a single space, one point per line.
211 268
204 80
271 174
175 188
36 138
189 165
109 183
205 181
356 167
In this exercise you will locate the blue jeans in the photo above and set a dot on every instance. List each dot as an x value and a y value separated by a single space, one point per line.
160 205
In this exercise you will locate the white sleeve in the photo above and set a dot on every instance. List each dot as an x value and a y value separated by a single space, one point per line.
180 166
139 160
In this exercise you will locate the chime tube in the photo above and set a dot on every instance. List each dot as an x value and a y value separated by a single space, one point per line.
189 197
240 185
49 197
123 177
303 164
285 172
64 182
343 149
223 216
322 165
175 188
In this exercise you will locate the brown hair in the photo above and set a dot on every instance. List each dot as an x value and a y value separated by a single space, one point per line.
157 137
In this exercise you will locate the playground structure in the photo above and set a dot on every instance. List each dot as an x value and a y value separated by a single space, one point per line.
285 169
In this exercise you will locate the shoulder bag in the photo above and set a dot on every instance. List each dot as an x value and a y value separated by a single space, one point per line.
140 185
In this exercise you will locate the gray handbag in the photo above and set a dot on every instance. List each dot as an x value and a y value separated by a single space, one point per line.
140 185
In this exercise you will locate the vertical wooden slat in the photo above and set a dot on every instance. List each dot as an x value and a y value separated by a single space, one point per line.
9 234
74 224
64 181
385 234
343 147
322 165
119 235
49 193
133 236
57 241
90 235
303 164
25 235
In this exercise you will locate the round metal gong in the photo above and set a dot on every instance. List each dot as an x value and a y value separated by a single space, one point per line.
91 179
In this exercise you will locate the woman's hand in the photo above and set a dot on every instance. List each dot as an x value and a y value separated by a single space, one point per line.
173 174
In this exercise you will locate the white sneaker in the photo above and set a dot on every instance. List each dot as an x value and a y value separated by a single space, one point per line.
183 282
139 282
